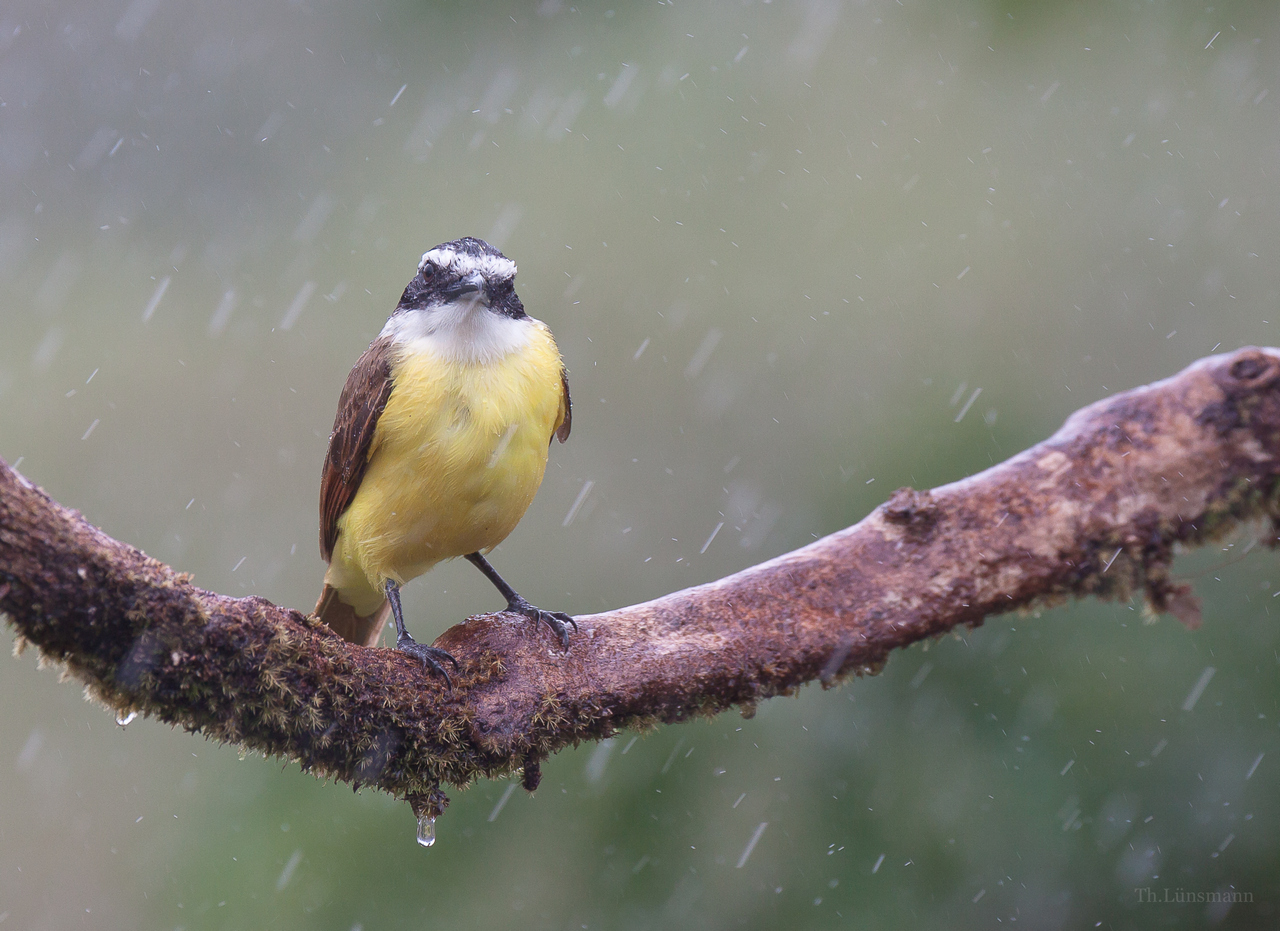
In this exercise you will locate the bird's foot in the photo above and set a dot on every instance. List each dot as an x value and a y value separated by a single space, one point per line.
556 620
431 656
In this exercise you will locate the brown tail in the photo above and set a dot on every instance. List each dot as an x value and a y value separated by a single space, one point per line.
346 623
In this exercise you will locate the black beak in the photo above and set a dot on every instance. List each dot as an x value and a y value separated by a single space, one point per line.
469 285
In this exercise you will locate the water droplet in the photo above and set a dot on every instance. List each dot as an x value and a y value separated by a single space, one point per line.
123 719
427 830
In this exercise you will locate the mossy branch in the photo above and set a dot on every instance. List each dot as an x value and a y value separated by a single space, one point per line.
1094 510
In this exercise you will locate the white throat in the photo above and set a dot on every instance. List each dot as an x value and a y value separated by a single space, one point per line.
464 331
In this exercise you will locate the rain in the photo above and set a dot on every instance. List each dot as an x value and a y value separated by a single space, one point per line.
795 256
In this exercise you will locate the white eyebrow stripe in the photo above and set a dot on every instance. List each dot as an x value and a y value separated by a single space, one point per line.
494 267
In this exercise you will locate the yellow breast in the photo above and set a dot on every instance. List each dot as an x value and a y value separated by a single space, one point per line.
457 455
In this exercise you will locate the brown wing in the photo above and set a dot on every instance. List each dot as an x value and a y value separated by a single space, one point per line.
363 398
562 431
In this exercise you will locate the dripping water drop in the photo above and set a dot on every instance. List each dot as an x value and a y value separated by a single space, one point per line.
427 830
123 719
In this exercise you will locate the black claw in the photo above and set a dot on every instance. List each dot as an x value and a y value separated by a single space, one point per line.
430 656
553 619
556 620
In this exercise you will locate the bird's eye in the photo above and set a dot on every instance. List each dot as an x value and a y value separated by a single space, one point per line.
428 271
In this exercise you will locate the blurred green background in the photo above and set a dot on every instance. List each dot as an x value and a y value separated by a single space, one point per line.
796 256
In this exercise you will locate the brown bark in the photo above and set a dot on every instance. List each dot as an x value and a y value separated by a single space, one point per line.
1095 509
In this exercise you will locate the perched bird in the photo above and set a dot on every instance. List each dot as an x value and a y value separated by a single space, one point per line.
439 443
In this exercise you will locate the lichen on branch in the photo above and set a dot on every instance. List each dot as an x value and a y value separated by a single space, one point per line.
1096 509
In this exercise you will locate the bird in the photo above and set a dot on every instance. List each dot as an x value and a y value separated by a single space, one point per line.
439 444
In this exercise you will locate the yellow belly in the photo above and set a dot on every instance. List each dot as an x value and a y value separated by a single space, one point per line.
457 456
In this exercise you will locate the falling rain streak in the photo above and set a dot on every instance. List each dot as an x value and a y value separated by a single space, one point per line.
968 404
298 306
289 868
751 844
497 809
156 298
1198 689
1249 774
703 353
577 502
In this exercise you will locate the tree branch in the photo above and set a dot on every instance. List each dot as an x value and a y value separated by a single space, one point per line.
1094 510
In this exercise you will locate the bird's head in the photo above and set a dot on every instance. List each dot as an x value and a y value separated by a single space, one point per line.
466 272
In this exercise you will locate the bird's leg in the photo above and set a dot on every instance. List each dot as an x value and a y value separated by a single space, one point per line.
556 620
430 656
